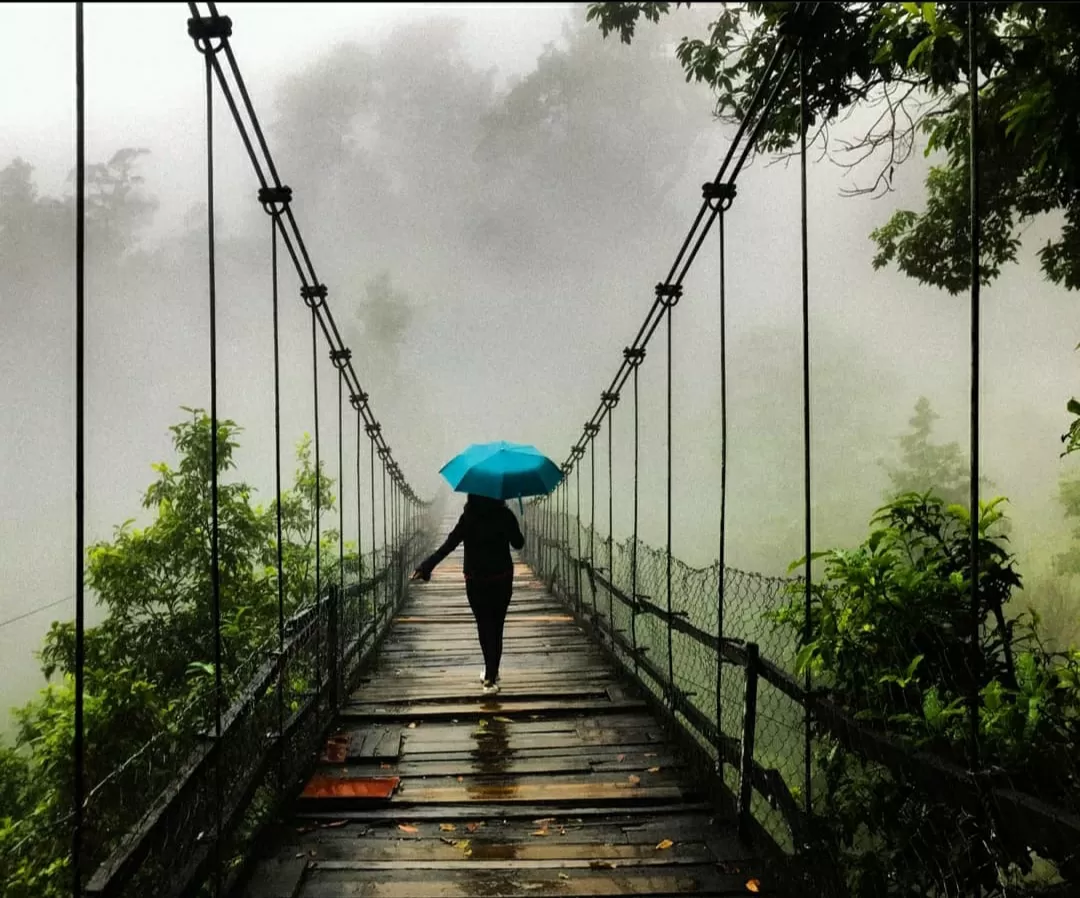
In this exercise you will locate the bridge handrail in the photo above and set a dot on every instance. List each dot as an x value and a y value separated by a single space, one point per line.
1052 831
180 799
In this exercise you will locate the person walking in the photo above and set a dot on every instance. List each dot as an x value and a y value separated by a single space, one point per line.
488 528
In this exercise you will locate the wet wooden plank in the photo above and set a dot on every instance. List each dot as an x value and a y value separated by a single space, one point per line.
351 883
562 784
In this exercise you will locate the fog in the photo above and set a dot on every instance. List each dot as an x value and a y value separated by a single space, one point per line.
489 193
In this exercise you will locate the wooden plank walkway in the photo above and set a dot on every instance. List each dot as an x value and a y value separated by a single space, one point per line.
562 784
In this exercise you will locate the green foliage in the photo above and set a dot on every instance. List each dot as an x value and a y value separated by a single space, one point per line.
150 662
911 59
892 636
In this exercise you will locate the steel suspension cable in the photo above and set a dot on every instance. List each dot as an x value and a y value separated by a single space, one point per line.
359 548
610 539
976 272
671 660
336 607
577 527
634 545
592 518
720 586
317 511
215 560
807 516
277 492
79 740
386 553
373 586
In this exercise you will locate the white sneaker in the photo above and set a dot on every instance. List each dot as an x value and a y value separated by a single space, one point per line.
490 688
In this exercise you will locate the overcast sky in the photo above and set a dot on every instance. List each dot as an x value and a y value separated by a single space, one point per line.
142 70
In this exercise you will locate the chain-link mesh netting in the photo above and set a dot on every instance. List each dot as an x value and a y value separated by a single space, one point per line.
883 796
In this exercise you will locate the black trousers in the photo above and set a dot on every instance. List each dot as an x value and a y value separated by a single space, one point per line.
489 601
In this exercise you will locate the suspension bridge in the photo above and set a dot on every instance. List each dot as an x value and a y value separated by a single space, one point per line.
646 741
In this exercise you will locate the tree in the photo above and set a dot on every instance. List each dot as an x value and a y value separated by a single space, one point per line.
149 663
385 315
911 60
925 466
890 639
908 63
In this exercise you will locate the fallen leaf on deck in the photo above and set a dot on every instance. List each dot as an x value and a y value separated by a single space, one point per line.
482 723
461 779
531 886
502 719
462 845
446 841
385 766
654 770
602 865
634 779
753 885
301 854
412 726
664 845
473 827
447 827
544 821
333 824
621 758
539 832
562 831
407 829
564 876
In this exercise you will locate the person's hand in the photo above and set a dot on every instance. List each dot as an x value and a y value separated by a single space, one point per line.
419 575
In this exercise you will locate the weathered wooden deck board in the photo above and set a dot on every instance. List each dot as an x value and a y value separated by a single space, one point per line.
562 784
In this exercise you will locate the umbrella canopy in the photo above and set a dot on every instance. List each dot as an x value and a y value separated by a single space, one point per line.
502 471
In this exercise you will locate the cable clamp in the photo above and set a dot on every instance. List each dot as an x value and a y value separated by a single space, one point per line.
205 29
610 400
357 400
373 429
592 429
668 294
634 355
719 196
340 357
275 199
313 295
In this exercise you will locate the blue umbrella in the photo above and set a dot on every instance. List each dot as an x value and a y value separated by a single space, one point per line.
502 471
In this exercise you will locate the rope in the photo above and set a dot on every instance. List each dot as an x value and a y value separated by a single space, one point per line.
359 542
807 522
79 744
720 586
317 512
277 492
610 545
215 561
221 27
634 548
670 658
976 238
690 247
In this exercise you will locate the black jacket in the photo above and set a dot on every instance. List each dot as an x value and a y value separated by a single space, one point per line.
488 529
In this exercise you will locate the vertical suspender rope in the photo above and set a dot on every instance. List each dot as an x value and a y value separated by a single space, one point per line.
671 660
317 511
359 550
634 545
805 275
610 517
592 518
577 528
386 550
79 745
215 561
277 490
722 560
336 608
374 585
976 238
